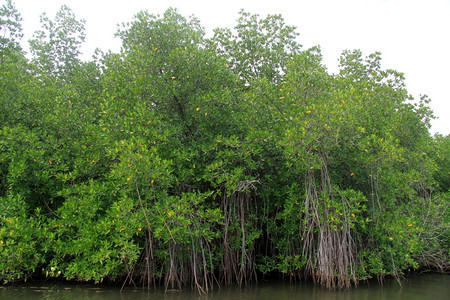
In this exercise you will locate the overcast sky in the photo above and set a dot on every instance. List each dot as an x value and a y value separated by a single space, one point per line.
413 36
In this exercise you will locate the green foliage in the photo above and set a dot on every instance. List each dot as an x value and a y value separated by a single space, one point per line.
55 47
11 28
193 161
440 153
258 47
19 239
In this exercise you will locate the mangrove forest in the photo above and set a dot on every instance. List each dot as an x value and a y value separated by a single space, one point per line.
187 161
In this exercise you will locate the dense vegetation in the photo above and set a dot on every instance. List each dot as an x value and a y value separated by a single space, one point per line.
193 161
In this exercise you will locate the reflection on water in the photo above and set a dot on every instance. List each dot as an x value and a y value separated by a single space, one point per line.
424 286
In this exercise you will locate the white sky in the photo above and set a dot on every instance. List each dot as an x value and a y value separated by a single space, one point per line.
413 36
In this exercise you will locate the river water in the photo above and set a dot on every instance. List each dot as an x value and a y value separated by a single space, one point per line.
413 287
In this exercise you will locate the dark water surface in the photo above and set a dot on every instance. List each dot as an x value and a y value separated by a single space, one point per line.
421 286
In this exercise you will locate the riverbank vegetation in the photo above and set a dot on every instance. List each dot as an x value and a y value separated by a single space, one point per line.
191 161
